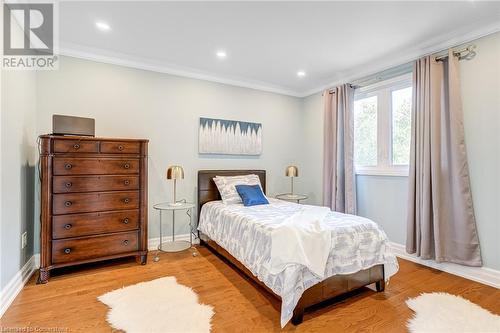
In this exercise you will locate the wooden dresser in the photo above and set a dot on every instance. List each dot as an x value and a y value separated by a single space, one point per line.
93 200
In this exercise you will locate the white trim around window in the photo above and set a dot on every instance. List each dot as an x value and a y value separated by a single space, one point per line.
383 90
394 171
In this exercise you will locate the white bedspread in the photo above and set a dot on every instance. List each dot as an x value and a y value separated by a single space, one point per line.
303 239
245 232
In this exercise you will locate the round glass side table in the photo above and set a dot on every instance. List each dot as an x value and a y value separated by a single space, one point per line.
174 245
291 197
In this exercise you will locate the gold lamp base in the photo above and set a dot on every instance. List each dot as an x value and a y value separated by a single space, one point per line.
175 172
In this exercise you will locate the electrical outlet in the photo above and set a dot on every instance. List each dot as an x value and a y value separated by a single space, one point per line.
24 239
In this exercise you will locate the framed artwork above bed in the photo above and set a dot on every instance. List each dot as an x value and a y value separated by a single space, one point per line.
229 137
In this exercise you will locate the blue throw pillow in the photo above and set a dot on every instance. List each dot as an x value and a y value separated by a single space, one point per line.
251 195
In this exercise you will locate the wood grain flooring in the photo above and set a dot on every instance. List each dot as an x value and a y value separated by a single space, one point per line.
68 302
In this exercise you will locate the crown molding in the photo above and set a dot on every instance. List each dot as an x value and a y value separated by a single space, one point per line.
450 40
433 46
125 60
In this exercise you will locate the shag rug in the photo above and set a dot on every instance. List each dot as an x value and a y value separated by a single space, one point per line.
157 306
442 312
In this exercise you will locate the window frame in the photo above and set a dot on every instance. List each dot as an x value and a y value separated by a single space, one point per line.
383 90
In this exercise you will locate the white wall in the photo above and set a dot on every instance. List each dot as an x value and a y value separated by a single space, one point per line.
134 103
18 156
165 109
481 102
312 173
384 198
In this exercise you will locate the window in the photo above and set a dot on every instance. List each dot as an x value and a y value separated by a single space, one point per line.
382 127
365 131
401 126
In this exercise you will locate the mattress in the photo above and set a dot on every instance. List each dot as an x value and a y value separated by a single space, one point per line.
245 232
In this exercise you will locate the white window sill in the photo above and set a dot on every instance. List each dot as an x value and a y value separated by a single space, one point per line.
377 171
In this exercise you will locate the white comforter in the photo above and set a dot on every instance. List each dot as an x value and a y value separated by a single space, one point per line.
302 239
245 232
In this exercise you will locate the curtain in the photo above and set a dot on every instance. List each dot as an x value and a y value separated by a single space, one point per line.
441 223
339 185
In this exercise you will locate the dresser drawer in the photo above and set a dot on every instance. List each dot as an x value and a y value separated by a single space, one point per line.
68 250
76 146
94 202
117 147
76 225
90 166
69 184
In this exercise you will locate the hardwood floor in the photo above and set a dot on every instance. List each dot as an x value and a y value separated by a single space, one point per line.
69 302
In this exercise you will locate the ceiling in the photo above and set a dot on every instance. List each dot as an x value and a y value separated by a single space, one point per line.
267 43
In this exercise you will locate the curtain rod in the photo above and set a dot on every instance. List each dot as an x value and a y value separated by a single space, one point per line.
469 53
466 53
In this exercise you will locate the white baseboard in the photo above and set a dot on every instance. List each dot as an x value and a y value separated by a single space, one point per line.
488 276
154 242
16 284
483 275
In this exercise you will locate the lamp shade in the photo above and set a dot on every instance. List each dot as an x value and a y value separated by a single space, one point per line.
292 171
175 172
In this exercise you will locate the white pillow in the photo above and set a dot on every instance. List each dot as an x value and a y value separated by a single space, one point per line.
227 189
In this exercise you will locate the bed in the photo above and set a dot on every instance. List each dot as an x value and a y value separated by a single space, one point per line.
240 235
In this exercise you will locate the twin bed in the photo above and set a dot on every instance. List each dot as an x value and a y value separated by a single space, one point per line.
358 255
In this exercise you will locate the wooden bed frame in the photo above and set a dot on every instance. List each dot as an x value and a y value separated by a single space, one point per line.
329 288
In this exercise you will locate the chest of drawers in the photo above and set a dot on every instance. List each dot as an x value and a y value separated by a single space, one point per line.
93 200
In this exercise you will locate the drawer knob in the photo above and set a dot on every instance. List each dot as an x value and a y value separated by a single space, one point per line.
68 184
126 182
67 250
126 220
120 147
125 242
67 226
68 203
76 146
67 166
126 166
126 200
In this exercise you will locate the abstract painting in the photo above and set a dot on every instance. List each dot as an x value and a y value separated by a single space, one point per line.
218 136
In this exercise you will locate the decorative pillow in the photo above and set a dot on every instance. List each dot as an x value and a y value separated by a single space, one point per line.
251 195
227 190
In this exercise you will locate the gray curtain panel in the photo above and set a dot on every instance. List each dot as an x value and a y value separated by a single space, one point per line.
339 184
441 222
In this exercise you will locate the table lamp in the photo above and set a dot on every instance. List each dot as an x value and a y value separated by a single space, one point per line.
175 172
292 172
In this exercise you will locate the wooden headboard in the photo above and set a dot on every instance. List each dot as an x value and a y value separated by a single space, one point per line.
207 190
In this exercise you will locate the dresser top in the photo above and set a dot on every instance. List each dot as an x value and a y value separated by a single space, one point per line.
89 138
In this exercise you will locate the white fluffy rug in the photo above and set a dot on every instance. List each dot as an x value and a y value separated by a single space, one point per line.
442 312
157 306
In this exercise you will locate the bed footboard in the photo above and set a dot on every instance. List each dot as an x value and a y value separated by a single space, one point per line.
331 287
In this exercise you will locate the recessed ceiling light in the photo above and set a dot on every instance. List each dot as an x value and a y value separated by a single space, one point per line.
221 54
301 73
103 26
